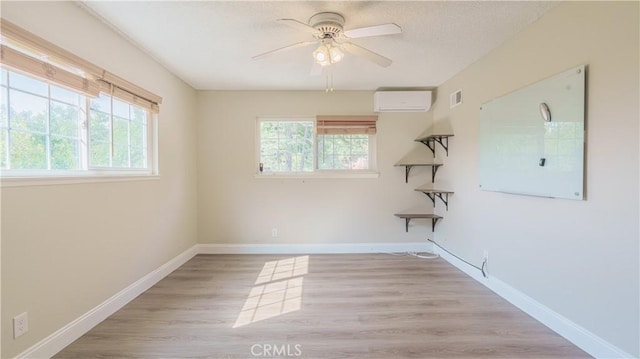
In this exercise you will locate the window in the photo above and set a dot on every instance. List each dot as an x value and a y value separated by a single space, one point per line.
343 152
286 145
327 143
44 128
40 127
117 134
63 116
346 142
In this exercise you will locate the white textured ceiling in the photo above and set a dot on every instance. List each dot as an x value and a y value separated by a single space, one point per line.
209 44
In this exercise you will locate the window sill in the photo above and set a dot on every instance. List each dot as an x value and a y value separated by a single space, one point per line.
318 175
66 180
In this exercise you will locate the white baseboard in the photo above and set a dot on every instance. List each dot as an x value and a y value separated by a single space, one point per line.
336 248
64 336
581 337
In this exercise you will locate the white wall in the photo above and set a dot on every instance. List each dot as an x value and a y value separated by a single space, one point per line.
234 207
579 258
67 248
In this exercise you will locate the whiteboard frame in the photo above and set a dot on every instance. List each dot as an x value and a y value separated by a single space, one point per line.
521 153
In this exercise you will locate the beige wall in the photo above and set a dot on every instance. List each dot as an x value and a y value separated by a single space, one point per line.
580 258
67 248
234 207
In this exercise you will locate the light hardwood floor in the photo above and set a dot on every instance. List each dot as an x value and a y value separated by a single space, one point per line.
319 306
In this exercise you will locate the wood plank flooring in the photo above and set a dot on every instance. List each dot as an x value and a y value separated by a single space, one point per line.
319 306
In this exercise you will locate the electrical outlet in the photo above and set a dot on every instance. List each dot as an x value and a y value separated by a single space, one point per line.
20 325
274 232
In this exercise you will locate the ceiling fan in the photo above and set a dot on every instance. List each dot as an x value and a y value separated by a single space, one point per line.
327 30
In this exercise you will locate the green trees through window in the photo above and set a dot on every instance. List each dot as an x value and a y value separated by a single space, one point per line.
289 146
117 132
286 146
44 127
40 124
343 152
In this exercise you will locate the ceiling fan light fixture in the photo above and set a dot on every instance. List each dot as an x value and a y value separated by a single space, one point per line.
326 54
336 54
321 54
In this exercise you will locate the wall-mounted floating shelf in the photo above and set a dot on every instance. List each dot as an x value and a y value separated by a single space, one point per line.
430 139
409 216
409 165
433 193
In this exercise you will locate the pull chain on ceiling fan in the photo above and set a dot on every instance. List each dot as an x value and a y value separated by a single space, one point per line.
327 29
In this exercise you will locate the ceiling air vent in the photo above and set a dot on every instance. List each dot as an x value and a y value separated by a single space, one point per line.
455 98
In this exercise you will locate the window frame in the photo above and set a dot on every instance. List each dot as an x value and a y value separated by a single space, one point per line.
17 177
316 172
258 143
371 142
149 156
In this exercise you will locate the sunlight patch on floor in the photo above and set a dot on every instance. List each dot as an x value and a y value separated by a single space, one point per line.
278 290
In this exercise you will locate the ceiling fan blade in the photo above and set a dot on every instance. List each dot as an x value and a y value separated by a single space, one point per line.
376 30
316 69
368 54
289 47
299 25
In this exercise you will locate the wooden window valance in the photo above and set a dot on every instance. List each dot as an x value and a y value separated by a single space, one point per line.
28 53
346 125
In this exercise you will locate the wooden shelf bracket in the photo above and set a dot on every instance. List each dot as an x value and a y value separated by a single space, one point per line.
431 140
408 217
434 193
434 169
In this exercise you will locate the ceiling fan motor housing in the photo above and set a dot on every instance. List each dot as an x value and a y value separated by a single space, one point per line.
328 23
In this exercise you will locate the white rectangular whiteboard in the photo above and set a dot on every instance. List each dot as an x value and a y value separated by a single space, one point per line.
523 151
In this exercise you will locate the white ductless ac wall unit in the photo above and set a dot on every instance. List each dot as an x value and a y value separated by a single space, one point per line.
401 101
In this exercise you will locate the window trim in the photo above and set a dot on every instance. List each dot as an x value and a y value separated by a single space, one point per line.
324 174
26 181
316 173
